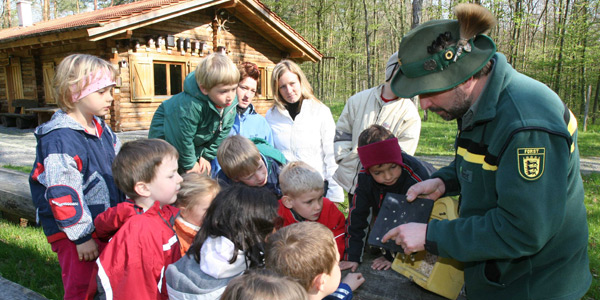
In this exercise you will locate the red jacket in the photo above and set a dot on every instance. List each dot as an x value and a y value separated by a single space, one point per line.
132 266
108 222
330 216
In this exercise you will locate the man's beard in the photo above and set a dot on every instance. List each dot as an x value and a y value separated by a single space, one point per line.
459 108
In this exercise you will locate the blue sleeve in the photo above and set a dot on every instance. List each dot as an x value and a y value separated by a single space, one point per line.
343 292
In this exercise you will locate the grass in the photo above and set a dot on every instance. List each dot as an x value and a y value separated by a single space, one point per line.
591 185
18 168
26 258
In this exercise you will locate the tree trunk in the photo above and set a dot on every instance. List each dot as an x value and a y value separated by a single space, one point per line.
595 109
46 10
587 108
563 22
416 20
367 44
416 13
7 17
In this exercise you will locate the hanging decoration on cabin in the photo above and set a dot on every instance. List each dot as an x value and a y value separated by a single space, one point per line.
219 29
161 44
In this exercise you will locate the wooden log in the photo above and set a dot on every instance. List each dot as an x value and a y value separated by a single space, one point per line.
14 291
15 196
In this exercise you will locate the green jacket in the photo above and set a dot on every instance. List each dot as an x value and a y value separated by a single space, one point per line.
522 231
191 122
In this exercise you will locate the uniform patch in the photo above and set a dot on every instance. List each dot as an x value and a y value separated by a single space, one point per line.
531 162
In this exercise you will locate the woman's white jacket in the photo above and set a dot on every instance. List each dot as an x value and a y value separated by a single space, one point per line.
308 138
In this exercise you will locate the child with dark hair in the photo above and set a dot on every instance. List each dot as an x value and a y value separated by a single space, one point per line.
386 169
137 163
230 241
132 264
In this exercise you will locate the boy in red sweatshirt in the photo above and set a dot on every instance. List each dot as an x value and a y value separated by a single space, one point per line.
302 188
133 263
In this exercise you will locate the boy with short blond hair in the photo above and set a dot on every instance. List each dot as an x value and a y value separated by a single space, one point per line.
196 120
307 252
242 161
132 264
303 200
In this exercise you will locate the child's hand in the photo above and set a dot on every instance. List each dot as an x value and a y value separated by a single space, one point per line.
204 165
354 280
381 263
87 251
200 167
344 264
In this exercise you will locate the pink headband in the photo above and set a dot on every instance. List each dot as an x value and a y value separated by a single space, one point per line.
383 152
100 80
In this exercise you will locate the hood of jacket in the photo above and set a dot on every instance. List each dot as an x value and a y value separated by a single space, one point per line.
186 279
59 120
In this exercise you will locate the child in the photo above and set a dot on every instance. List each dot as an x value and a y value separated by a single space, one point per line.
196 120
71 181
303 200
195 195
385 169
265 285
130 164
247 122
241 161
307 252
230 241
133 263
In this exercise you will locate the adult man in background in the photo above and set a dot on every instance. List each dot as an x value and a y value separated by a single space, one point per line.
378 105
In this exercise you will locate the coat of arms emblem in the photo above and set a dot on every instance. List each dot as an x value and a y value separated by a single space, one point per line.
531 162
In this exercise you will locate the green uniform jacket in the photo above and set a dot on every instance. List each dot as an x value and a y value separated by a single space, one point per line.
191 122
522 231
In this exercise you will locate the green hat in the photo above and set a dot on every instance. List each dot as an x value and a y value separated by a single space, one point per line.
421 72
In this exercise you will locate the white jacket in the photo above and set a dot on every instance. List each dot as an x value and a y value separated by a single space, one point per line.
308 138
362 110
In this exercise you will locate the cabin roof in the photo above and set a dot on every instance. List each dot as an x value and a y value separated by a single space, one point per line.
116 20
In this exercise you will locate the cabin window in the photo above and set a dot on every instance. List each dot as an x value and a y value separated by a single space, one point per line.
168 78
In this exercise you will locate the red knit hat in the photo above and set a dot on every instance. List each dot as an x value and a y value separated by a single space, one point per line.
383 152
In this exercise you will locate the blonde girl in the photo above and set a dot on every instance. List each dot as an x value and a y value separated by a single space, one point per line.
195 195
303 127
71 181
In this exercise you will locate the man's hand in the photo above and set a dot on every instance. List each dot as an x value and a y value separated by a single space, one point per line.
430 189
354 280
87 251
411 237
344 264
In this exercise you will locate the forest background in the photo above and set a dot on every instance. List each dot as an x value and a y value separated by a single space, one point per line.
554 41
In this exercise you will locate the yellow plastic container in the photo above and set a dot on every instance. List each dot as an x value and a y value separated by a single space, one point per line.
442 276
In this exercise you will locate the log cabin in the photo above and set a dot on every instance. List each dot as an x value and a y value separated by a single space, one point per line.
154 44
